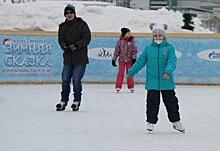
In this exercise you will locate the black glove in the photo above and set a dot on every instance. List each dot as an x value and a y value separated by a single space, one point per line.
65 49
113 63
73 47
133 61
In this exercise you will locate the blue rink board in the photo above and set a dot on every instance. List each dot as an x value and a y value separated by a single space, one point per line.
37 58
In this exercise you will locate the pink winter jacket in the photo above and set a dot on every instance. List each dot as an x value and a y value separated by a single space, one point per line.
126 49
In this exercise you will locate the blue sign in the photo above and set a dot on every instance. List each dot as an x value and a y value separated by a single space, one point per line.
38 58
30 59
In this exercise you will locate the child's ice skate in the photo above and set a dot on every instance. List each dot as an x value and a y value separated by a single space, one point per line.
150 127
117 90
61 106
132 90
178 126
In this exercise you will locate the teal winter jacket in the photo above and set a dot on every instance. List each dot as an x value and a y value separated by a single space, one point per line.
159 59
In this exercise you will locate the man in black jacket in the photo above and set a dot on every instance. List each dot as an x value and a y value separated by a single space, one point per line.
73 36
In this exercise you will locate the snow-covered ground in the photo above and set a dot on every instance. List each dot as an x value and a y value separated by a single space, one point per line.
101 17
107 121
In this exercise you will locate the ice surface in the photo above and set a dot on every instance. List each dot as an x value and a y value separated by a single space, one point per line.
107 121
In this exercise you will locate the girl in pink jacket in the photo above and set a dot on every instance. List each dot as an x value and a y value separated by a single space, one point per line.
126 52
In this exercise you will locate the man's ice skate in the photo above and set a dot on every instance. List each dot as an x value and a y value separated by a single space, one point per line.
117 90
61 106
132 90
178 126
75 106
150 127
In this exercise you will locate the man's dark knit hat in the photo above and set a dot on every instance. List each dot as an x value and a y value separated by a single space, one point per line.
69 8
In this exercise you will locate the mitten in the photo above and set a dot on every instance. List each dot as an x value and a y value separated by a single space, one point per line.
113 63
133 61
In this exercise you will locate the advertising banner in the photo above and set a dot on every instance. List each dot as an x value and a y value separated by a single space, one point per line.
198 59
29 59
38 58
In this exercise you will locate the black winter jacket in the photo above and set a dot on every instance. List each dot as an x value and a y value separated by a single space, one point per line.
76 32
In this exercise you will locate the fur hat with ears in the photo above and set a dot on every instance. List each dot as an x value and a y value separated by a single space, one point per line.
158 29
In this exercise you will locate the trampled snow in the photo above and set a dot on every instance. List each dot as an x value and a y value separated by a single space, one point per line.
101 17
107 121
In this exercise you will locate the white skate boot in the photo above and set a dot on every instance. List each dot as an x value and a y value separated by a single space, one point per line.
178 126
61 106
75 106
132 90
117 90
150 127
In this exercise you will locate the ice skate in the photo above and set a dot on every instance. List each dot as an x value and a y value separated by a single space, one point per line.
150 127
61 106
75 106
117 90
178 126
132 90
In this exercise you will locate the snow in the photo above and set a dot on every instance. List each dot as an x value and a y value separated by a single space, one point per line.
101 17
107 121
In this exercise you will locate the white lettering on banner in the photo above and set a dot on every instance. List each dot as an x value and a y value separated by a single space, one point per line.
107 53
26 53
101 53
210 55
38 61
28 49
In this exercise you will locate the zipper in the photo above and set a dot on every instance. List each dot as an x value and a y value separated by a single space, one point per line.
159 66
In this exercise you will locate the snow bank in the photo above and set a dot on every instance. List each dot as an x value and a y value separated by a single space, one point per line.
47 15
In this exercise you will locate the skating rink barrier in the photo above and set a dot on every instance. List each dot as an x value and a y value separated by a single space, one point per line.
36 57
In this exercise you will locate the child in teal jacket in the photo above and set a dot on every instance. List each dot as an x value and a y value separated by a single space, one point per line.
160 60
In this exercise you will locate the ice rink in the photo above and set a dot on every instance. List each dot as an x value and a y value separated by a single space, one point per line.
107 121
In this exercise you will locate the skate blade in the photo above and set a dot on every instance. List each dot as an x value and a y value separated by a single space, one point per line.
182 131
75 110
60 109
150 131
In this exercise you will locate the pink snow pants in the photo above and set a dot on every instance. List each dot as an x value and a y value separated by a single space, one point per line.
120 76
